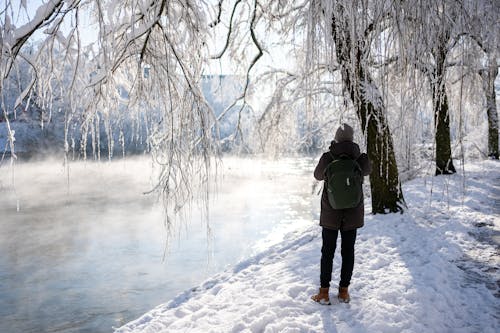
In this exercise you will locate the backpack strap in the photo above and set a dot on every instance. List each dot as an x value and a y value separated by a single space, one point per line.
333 159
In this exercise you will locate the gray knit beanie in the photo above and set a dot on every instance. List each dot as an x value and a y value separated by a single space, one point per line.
344 133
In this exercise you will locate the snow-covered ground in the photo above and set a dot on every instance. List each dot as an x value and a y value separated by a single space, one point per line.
433 269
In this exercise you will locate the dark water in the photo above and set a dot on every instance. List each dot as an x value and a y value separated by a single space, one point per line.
90 256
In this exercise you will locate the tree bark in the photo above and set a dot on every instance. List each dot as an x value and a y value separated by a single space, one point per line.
384 180
491 108
444 161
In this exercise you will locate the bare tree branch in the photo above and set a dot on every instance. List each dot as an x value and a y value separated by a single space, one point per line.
229 32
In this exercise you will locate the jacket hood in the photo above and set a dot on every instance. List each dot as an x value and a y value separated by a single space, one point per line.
346 147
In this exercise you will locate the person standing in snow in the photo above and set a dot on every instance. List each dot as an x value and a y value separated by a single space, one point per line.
347 221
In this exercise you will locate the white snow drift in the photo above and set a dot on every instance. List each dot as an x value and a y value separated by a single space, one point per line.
432 269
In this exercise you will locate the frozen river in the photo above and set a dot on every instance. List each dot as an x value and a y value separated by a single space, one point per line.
86 253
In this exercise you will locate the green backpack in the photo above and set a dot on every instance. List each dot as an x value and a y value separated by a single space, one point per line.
344 182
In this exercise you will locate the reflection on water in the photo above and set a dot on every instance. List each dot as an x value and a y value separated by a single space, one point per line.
88 256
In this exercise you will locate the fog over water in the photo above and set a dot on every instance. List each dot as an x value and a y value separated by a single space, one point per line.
85 253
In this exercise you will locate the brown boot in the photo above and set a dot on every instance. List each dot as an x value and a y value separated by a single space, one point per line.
343 295
322 297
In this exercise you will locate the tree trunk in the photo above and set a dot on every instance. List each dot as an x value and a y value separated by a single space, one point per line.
384 178
444 162
491 109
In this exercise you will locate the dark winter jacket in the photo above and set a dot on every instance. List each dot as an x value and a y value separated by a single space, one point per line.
341 219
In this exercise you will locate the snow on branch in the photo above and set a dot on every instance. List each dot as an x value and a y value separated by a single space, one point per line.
370 93
43 16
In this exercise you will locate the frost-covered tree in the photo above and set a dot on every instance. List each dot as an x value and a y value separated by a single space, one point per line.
331 43
431 35
166 39
169 39
339 37
482 25
147 58
429 30
353 27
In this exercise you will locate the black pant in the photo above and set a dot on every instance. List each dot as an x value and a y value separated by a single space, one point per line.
328 252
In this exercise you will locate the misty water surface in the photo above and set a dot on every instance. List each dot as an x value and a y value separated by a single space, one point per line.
84 251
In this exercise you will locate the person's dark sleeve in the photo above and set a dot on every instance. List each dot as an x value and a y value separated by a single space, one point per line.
365 164
319 172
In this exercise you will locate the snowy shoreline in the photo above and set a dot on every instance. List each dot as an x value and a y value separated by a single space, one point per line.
432 269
